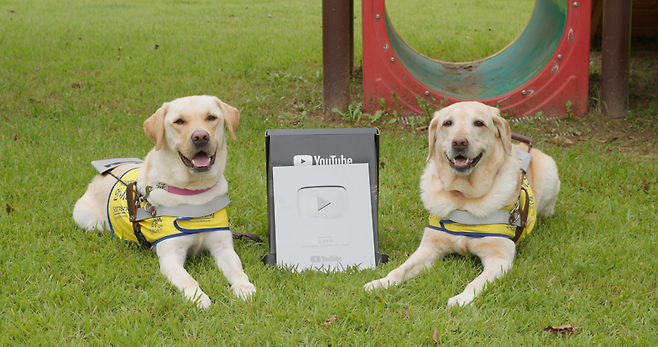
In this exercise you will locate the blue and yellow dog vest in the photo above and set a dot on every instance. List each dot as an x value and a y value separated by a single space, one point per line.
158 228
498 230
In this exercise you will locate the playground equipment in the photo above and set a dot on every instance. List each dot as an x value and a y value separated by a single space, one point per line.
545 69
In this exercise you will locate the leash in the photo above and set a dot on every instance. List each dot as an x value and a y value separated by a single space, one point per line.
249 236
543 119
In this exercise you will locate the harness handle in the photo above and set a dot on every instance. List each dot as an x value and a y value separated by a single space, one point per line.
524 139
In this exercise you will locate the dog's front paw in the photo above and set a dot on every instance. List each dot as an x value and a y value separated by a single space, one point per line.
382 283
243 290
199 297
462 299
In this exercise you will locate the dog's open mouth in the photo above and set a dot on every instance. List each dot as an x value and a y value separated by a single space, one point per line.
200 163
461 163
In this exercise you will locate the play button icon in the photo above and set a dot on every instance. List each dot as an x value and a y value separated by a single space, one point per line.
322 202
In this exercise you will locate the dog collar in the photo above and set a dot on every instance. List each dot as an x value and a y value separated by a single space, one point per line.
181 191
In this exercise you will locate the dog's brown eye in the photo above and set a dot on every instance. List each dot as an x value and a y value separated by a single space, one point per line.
447 123
478 124
179 121
211 118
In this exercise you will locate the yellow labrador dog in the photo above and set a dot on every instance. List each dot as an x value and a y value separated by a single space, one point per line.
179 191
478 195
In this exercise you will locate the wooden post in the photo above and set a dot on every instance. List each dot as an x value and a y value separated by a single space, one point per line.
337 54
615 65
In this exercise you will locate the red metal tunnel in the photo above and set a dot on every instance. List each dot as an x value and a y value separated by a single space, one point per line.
546 68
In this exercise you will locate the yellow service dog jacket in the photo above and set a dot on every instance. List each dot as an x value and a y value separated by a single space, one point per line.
499 230
158 228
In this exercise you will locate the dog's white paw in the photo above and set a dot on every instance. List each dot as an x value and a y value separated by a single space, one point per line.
462 299
199 297
243 290
382 283
203 302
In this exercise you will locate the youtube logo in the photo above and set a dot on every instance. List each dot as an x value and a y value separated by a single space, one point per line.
300 160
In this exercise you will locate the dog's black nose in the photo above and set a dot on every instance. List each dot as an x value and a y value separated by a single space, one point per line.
459 142
200 137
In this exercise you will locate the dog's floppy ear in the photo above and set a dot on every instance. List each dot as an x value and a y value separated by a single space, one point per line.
503 131
154 126
431 131
231 117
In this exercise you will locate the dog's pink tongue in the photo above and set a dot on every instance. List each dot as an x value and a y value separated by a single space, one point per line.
201 160
461 161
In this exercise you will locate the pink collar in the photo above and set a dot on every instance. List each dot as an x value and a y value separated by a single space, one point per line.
439 177
183 191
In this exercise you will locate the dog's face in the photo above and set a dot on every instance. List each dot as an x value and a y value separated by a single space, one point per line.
193 129
466 136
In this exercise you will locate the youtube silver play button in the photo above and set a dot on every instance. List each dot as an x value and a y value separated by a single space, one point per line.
324 202
324 216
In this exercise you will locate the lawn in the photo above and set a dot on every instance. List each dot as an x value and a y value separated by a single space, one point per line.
77 80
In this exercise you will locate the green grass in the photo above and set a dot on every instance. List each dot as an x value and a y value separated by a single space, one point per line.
77 79
459 31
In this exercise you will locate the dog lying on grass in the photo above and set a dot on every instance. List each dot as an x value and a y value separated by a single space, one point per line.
181 188
480 199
